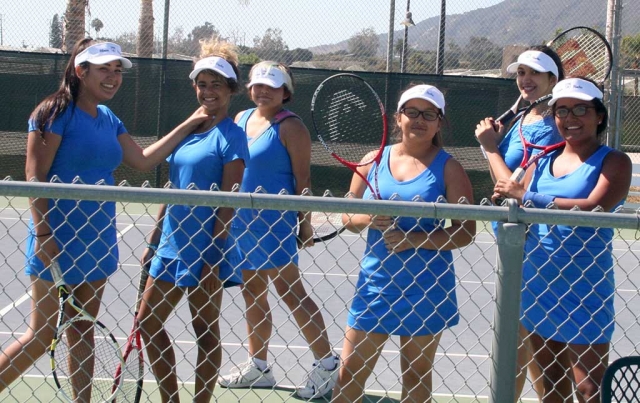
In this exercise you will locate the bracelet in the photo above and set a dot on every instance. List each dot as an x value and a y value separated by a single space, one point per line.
152 246
41 235
538 199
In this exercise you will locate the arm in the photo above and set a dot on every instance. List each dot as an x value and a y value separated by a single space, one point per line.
489 138
297 140
40 154
360 222
141 159
456 235
153 239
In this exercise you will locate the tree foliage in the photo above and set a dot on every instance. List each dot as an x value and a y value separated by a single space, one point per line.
364 44
97 25
55 33
189 44
271 45
482 54
630 52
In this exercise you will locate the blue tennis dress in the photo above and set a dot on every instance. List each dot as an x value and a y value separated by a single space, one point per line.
84 230
568 280
187 230
410 293
266 239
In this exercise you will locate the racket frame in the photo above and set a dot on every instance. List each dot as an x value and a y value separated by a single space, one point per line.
65 297
353 166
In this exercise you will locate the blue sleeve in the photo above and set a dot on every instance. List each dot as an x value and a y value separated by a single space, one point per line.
235 146
511 148
57 126
120 129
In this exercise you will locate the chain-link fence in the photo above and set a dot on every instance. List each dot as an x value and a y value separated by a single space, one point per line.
475 360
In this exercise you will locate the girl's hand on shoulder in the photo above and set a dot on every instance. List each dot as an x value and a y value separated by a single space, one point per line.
488 132
198 117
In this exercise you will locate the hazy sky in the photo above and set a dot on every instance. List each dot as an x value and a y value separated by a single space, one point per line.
304 23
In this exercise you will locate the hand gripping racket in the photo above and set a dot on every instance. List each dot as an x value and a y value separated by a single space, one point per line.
133 357
84 354
350 121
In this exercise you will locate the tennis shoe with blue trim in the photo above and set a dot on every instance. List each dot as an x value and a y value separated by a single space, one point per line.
319 381
248 375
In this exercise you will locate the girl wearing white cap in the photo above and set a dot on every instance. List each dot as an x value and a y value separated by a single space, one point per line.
538 69
266 239
72 136
406 285
189 241
568 280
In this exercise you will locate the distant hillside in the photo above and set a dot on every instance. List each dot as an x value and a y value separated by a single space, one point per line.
522 22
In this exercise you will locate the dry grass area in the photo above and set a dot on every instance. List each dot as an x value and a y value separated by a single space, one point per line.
633 199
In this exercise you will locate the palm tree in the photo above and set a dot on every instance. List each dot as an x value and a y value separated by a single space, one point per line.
97 25
74 22
145 29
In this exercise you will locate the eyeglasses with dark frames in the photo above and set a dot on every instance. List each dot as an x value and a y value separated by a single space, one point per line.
428 115
577 111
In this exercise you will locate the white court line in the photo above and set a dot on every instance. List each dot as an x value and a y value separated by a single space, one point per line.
16 303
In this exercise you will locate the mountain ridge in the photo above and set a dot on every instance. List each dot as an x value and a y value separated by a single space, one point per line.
504 24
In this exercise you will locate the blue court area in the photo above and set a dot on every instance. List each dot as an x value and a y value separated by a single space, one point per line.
330 272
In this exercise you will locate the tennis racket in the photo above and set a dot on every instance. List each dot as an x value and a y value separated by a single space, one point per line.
583 51
326 226
133 356
350 121
83 367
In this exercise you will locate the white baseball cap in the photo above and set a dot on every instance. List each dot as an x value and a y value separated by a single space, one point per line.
216 64
271 76
575 88
539 61
101 53
423 91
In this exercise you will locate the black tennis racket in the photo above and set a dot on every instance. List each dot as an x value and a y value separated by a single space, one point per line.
133 357
583 51
84 354
326 226
350 121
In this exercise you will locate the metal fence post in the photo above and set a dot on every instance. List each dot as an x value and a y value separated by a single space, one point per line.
511 237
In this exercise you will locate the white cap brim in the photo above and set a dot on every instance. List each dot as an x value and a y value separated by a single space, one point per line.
423 91
539 61
126 63
575 88
217 65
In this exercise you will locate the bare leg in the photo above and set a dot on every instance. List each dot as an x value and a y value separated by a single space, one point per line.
205 311
589 363
158 301
416 361
360 353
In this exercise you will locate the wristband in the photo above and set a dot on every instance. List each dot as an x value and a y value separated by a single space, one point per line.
538 200
152 246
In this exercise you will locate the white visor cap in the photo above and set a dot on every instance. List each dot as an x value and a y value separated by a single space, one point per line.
271 76
423 91
576 88
101 53
216 64
539 61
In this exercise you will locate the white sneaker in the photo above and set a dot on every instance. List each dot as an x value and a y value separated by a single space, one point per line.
248 375
319 381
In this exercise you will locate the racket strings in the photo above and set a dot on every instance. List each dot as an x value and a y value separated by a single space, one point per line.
325 223
583 53
348 118
80 366
133 370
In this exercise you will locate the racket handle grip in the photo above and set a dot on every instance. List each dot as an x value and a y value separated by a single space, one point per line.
518 174
56 272
506 117
484 153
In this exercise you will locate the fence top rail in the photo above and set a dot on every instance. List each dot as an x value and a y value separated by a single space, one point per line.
511 213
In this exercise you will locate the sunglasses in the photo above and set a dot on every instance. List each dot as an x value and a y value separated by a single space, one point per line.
577 111
413 113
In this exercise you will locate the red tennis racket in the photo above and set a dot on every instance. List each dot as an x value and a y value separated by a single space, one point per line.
133 357
350 122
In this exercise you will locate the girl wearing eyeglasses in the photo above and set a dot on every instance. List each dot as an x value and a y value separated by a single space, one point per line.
568 284
406 285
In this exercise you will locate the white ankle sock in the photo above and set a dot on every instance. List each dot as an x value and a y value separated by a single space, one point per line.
261 364
328 363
